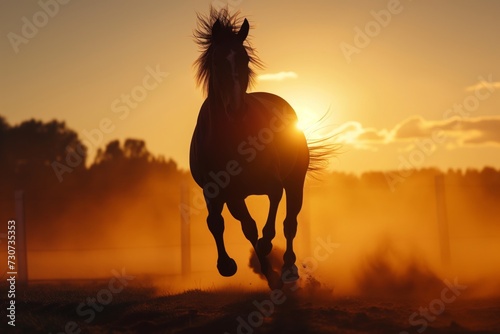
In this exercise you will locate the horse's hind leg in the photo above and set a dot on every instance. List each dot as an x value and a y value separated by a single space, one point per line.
264 245
225 264
294 196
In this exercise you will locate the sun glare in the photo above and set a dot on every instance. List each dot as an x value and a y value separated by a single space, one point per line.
306 115
311 105
310 121
301 124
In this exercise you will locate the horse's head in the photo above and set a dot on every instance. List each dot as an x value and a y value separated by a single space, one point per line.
223 66
229 67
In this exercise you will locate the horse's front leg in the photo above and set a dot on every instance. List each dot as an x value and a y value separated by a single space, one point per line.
264 245
226 265
239 211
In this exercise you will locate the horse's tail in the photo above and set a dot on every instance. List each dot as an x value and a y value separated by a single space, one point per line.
320 153
322 149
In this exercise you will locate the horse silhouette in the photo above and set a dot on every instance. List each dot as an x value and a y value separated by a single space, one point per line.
246 144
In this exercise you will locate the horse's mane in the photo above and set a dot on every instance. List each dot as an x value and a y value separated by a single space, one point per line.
230 24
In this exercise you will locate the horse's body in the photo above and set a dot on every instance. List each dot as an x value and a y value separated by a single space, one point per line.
265 147
245 144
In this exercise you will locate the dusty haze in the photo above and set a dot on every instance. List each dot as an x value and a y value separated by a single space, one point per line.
381 242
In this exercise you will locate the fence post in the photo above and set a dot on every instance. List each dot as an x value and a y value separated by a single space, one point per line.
442 220
22 256
185 230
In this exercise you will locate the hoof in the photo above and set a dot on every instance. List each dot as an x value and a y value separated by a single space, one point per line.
263 247
274 280
227 267
290 274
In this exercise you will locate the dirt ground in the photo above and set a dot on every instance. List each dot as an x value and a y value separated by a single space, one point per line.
98 307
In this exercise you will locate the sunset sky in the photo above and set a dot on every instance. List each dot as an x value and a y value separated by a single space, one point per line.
402 82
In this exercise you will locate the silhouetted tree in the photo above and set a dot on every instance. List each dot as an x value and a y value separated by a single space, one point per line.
4 128
136 149
112 152
490 179
121 167
133 149
29 150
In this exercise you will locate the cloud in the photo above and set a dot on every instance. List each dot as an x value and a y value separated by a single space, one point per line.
373 136
484 84
412 127
416 127
277 76
474 130
353 133
348 132
484 130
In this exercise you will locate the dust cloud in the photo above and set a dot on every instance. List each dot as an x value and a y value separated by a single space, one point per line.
392 242
356 236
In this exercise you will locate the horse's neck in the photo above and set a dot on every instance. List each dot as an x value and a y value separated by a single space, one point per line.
215 106
213 118
215 110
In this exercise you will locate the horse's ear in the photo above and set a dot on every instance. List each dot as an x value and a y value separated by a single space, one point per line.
243 33
216 28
